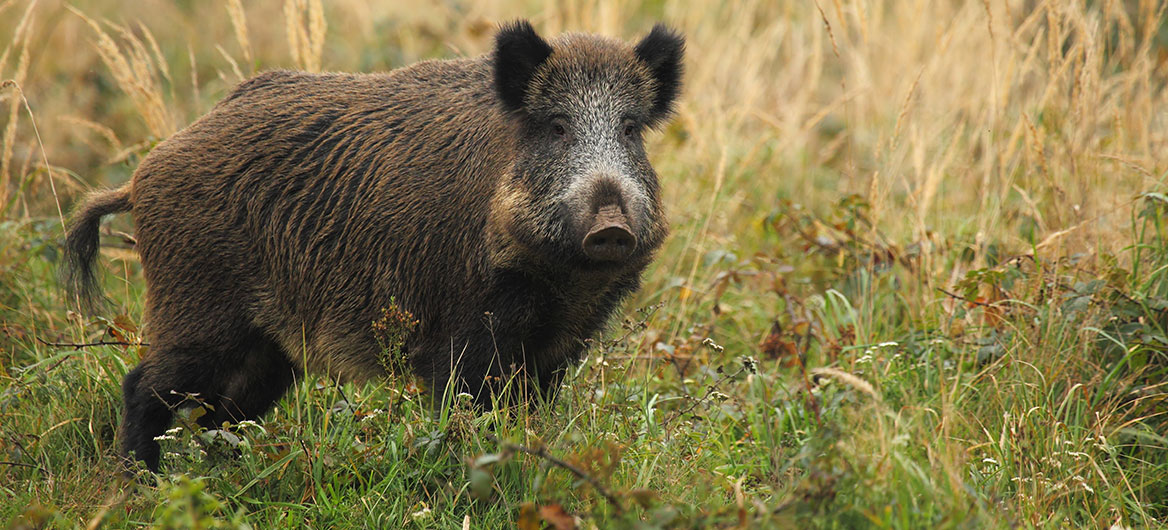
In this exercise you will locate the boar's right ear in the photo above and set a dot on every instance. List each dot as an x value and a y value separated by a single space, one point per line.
518 52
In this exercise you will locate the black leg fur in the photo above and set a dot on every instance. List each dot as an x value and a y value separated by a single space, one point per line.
253 388
153 390
149 412
255 374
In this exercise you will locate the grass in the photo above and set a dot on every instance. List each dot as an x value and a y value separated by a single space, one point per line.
917 278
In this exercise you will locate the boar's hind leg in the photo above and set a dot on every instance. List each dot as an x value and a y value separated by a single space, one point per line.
239 382
152 390
254 386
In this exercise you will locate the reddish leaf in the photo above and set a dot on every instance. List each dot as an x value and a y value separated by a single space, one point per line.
770 344
555 515
124 322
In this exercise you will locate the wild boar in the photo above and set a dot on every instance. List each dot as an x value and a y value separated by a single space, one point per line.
506 201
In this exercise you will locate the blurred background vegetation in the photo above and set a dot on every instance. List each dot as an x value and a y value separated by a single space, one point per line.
917 277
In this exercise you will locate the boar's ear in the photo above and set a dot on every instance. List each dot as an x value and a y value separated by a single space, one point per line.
518 52
661 50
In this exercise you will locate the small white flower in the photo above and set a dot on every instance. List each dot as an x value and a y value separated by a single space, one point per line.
421 515
372 414
254 425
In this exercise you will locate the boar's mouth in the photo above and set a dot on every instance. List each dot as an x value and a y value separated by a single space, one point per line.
609 238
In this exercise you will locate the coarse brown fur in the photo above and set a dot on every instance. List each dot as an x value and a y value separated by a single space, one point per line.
274 229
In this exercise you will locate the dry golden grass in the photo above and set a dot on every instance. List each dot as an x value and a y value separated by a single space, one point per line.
306 32
238 19
139 69
18 42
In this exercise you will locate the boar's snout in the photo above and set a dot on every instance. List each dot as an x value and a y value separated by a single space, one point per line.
609 238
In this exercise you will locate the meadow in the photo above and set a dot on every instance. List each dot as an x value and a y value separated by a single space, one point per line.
917 278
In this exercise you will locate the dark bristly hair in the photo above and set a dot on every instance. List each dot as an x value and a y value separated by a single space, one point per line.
662 49
518 52
81 244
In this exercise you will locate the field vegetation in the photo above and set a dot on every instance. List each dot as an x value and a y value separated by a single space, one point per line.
917 278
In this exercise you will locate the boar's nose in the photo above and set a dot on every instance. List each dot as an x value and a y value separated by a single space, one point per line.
610 238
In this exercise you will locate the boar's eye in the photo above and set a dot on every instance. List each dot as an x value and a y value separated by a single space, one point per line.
629 128
559 128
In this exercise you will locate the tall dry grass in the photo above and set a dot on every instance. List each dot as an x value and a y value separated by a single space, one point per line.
139 70
306 32
950 117
17 46
990 110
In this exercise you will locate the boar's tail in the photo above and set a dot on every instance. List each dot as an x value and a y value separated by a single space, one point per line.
81 241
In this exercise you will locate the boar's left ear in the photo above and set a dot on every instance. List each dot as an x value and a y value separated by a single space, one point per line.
518 52
661 50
